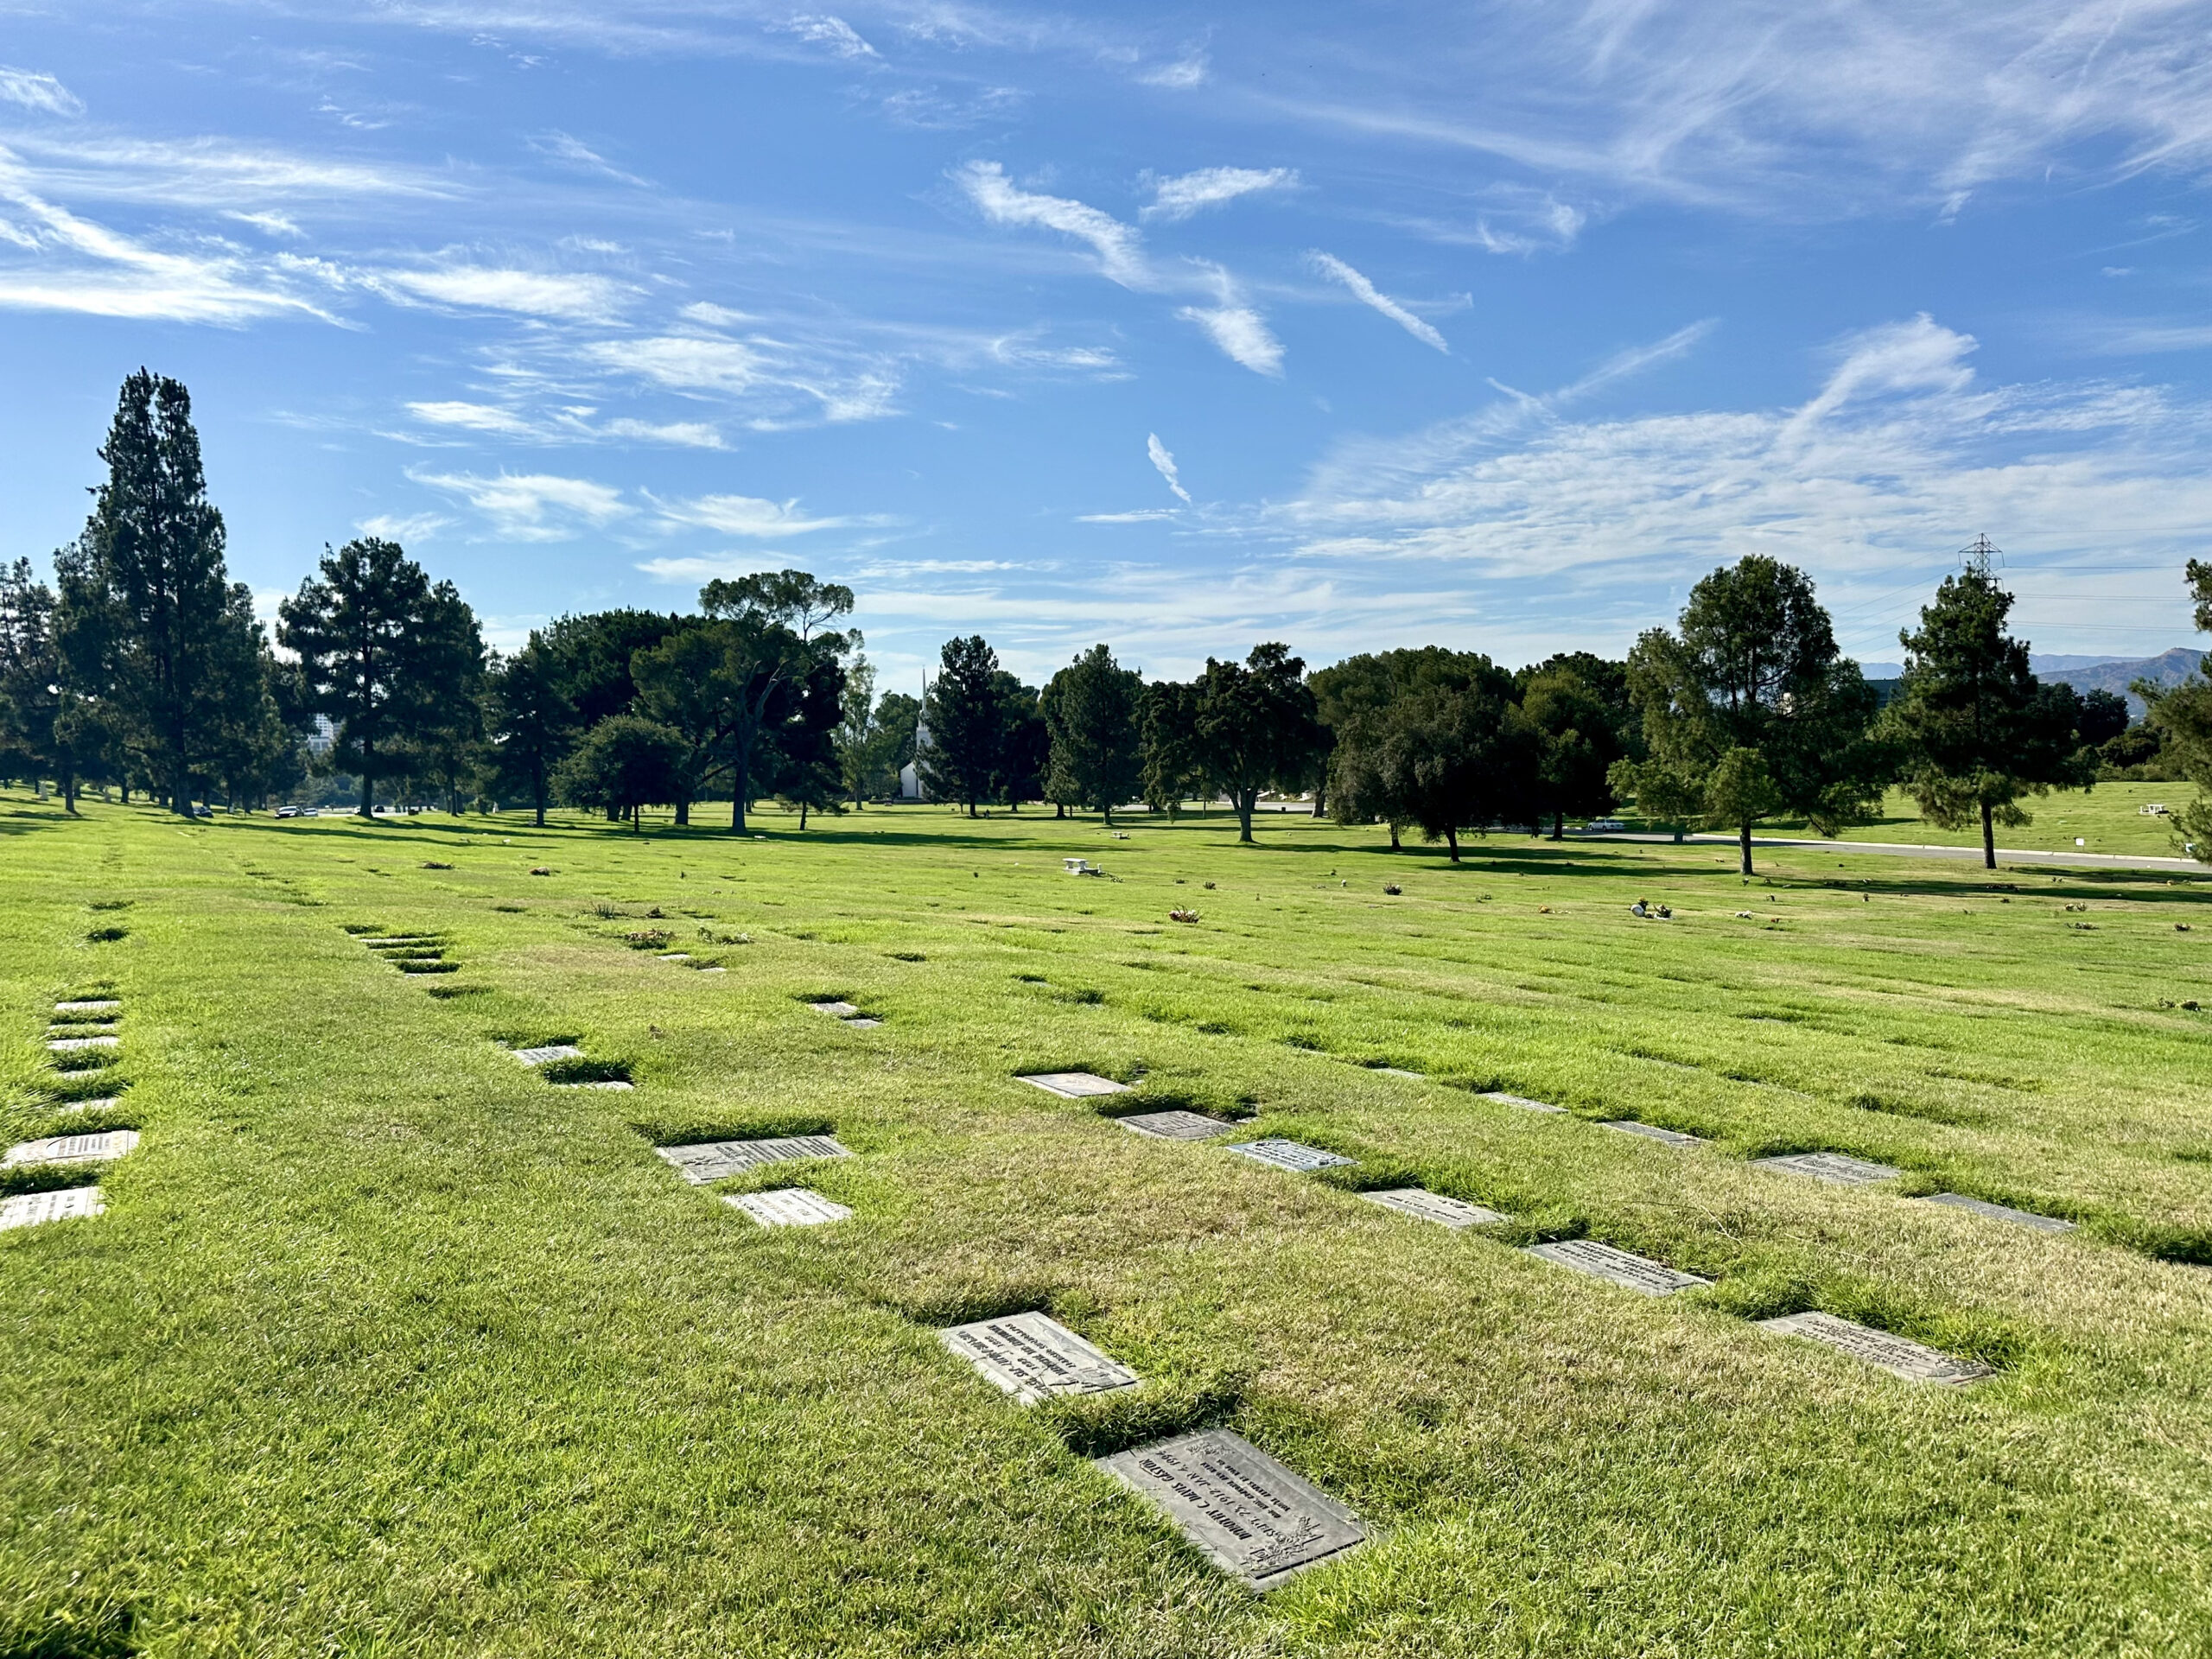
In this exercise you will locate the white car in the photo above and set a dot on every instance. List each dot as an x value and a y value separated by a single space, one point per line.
1605 826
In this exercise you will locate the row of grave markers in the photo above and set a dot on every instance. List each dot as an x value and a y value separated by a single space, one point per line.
1258 1519
68 1036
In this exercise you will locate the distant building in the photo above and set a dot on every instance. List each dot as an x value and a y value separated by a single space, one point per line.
323 736
911 784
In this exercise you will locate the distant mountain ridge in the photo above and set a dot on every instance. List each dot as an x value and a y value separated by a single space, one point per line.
2084 674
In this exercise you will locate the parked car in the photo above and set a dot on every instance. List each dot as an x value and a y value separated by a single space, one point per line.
1606 826
287 811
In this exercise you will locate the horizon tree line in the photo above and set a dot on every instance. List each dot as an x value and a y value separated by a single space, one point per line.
144 666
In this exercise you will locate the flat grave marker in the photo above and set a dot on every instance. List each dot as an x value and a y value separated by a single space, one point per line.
1289 1154
1521 1101
1075 1085
71 1045
1653 1132
842 1010
861 1022
1033 1356
2002 1212
396 939
72 1148
710 1161
674 956
1617 1267
601 1082
1425 1205
1397 1072
94 1005
30 1209
548 1053
1893 1353
1836 1168
1256 1520
788 1206
100 1105
1177 1125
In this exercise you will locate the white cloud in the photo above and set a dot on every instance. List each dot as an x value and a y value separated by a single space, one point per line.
268 224
1119 248
405 527
472 417
1140 516
1179 197
686 362
690 435
702 570
835 33
35 90
1330 266
533 506
567 297
210 173
1164 463
1185 74
1238 330
746 515
575 153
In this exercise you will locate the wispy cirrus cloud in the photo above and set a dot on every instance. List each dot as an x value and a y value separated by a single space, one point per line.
746 515
1337 271
1163 463
1118 246
572 152
35 90
835 33
568 296
1231 323
1180 197
532 506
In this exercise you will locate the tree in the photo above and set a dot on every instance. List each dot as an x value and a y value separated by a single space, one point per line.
589 657
1755 668
1353 700
1976 728
777 669
692 682
1256 727
623 763
156 545
531 721
967 721
386 657
1576 708
2180 717
874 738
1025 747
1171 773
448 742
1091 710
2100 716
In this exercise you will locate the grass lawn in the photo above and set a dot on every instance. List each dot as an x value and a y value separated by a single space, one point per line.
385 1345
2107 817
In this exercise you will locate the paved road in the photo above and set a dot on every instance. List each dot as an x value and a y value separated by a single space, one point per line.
1905 849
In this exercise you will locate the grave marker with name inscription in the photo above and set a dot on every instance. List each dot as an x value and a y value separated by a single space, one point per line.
95 1005
1521 1101
1074 1085
1617 1267
1256 1519
616 1083
710 1161
1289 1154
72 1148
548 1053
1032 1356
1836 1168
1174 1126
98 1105
788 1206
861 1022
1439 1207
31 1209
1893 1353
71 1045
1653 1132
2002 1212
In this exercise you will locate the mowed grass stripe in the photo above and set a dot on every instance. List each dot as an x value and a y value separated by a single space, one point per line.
532 1391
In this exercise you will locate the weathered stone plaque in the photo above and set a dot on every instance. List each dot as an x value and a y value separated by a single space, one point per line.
1439 1207
100 1105
712 1160
96 1005
1837 1169
1893 1353
603 1083
550 1052
1635 1272
71 1045
386 944
842 1010
1288 1154
1653 1132
673 956
1075 1085
29 1209
1031 1356
862 1022
788 1206
1522 1101
1174 1126
1397 1072
1256 1520
2003 1212
713 971
72 1148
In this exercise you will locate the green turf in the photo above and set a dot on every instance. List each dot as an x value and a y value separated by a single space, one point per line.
2107 818
387 1345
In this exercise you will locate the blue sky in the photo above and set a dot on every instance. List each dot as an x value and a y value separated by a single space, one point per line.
1354 326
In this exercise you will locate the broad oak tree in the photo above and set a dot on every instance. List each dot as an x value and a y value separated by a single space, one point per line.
1256 727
